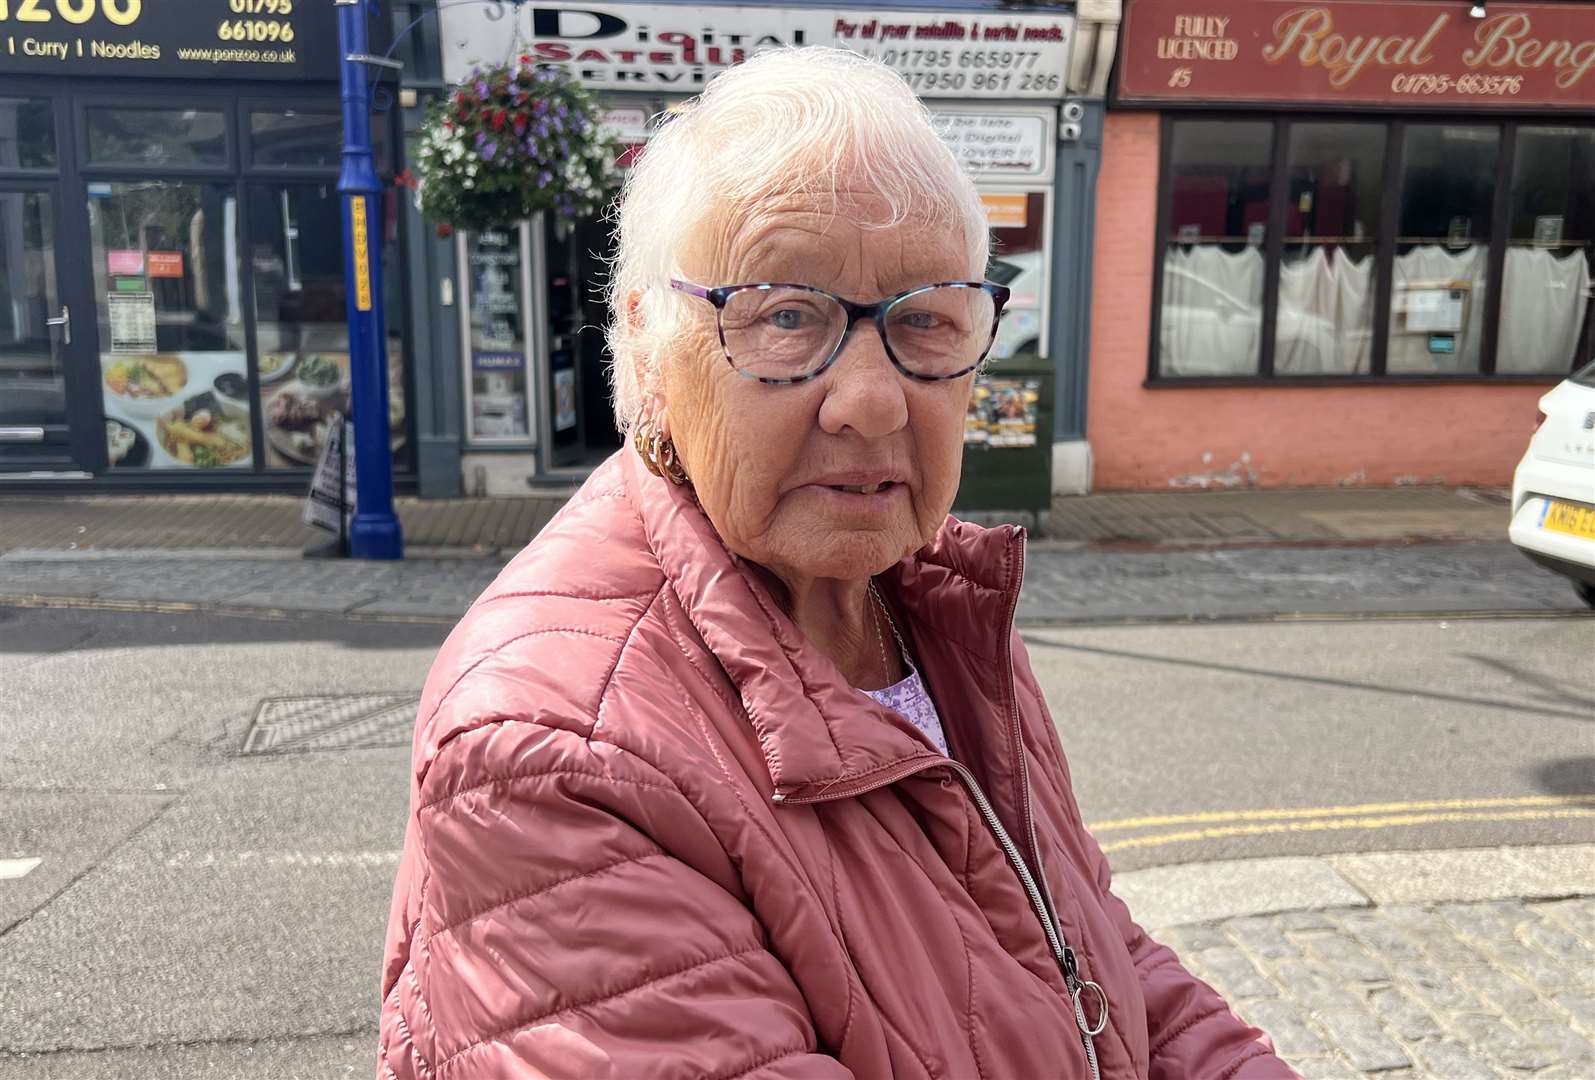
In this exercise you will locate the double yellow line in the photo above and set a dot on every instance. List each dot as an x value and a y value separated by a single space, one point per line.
1221 824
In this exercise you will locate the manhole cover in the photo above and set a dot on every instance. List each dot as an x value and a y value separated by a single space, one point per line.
331 722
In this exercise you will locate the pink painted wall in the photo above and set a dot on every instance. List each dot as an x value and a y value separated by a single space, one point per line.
1264 436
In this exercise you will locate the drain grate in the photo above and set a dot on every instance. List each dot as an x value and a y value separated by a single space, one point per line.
331 722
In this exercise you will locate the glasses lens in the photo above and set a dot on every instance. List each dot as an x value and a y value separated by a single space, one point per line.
942 330
779 332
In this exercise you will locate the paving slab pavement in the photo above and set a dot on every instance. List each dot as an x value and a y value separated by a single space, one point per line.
1395 965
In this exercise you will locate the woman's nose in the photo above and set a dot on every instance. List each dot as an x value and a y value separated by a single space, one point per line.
863 391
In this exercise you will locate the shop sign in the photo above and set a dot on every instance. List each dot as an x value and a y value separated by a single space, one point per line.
1006 210
165 264
1366 52
996 144
660 47
204 39
124 261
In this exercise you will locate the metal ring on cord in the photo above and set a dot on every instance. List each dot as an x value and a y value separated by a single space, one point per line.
1102 1017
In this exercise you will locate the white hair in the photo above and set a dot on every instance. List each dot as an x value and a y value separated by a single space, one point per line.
790 120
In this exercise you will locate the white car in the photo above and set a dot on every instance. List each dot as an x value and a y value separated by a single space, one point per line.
1553 490
1020 328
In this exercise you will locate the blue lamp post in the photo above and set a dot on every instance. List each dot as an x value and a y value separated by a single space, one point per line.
374 533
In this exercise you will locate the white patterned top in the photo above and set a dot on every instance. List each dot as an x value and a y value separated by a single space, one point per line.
910 699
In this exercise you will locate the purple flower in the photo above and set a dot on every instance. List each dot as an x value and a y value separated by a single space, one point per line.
480 139
544 177
489 150
481 88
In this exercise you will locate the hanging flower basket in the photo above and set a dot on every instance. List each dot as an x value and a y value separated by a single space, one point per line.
511 141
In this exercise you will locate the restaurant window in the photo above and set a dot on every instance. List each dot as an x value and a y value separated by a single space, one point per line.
1213 255
301 332
1545 291
1323 248
27 133
159 137
294 138
1438 288
173 357
1326 296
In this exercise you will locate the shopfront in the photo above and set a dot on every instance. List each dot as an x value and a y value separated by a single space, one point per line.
1348 242
530 307
170 245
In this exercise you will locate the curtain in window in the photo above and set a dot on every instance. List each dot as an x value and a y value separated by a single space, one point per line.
1543 299
1354 295
1325 314
1429 267
1212 310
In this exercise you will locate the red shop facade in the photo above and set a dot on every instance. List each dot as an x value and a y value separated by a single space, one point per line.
1347 242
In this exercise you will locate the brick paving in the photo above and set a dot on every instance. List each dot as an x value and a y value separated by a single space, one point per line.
255 521
501 525
1449 991
1061 586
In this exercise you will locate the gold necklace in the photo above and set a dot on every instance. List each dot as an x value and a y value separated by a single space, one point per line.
882 611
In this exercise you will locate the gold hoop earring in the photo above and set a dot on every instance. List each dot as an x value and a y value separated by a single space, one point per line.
659 453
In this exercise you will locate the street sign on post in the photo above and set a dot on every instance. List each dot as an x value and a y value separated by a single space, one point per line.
374 533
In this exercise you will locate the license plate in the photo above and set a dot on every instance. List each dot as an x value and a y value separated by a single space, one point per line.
1567 518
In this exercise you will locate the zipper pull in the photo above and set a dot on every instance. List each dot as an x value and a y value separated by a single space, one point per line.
1077 989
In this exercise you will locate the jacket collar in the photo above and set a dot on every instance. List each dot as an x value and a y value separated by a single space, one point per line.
820 737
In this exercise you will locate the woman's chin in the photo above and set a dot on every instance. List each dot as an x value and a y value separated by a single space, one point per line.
841 553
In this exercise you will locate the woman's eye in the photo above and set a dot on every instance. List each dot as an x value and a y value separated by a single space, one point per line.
920 320
788 319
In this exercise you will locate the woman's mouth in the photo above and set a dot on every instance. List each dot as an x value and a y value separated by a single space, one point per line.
862 489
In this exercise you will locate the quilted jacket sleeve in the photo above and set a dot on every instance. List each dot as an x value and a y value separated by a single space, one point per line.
575 916
1192 1032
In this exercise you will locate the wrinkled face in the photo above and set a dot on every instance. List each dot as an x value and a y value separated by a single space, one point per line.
773 464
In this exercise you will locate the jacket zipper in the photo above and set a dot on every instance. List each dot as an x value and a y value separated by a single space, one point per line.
1066 958
1040 902
1062 954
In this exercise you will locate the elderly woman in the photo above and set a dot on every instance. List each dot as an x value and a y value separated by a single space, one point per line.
740 769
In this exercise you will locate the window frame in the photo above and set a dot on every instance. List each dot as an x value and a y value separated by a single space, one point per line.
1384 250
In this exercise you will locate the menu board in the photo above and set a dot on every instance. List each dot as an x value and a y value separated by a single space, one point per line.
304 393
172 410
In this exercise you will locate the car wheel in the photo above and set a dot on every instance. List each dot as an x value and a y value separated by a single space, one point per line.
1586 592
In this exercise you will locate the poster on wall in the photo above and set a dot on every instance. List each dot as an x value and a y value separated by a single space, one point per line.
304 394
678 48
170 410
1002 412
498 394
132 321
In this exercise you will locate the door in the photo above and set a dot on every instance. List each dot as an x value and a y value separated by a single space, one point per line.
41 426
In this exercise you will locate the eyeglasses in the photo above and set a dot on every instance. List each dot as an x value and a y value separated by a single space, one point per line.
782 333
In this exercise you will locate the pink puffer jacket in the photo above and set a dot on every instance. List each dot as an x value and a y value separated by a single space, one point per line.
654 833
